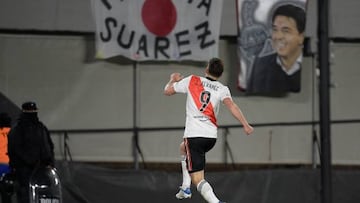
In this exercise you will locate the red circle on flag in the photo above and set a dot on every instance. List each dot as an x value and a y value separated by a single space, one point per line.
159 16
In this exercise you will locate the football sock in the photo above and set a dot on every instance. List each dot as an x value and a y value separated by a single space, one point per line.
205 189
186 176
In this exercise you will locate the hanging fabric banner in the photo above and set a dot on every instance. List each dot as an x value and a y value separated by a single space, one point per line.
270 45
157 29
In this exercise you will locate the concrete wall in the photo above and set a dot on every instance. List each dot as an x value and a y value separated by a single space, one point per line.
75 93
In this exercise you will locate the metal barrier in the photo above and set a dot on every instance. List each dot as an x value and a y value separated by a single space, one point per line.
225 128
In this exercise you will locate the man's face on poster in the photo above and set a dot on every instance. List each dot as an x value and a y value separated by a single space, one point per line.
286 39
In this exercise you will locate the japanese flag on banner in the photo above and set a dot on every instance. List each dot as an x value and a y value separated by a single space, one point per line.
157 29
270 45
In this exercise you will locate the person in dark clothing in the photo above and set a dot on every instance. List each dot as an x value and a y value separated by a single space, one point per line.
29 147
280 72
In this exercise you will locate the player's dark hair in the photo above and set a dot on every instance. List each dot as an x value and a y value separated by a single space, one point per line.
295 12
216 67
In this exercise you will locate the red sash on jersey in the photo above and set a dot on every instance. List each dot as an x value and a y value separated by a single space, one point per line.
196 89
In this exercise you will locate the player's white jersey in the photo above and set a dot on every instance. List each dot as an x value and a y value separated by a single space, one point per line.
202 104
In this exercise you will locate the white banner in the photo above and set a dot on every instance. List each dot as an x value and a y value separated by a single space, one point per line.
157 29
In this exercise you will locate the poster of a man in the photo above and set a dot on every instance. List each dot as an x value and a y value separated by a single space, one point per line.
277 70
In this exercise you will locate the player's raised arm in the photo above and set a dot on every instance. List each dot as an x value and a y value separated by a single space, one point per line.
169 87
236 112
